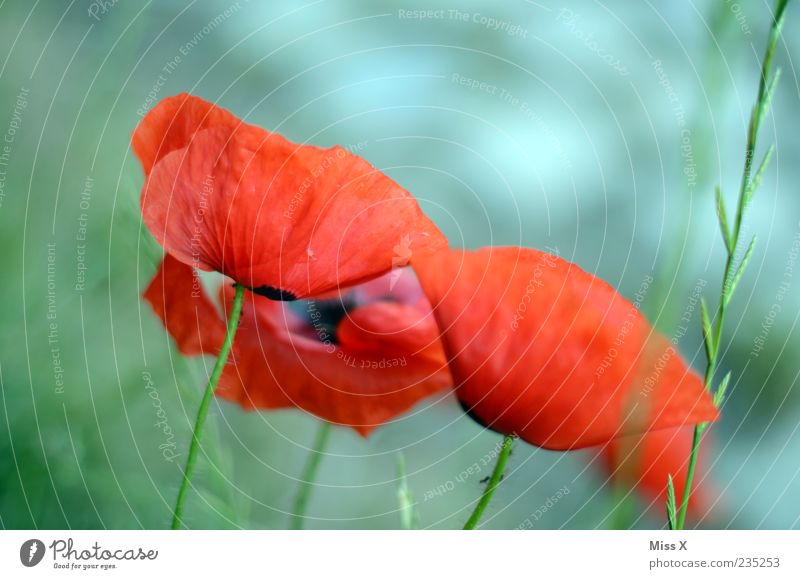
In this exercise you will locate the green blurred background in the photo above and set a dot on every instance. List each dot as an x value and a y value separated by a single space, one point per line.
609 126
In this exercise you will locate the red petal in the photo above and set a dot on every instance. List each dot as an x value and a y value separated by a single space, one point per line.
645 461
376 327
172 124
290 221
542 349
357 383
178 298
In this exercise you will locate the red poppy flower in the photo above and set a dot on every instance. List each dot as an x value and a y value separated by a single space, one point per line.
357 358
645 462
539 348
288 221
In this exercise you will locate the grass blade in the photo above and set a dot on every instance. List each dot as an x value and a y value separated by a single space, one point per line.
722 215
737 277
708 335
719 395
405 498
671 508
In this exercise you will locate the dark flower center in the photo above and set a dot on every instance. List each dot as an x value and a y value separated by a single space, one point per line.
324 316
274 293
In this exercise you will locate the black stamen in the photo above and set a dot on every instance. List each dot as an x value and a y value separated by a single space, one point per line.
274 293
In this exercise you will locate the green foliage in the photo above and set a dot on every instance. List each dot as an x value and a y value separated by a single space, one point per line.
719 395
409 518
671 508
712 334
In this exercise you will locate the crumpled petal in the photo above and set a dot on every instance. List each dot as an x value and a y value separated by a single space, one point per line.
172 125
542 349
386 359
288 221
385 355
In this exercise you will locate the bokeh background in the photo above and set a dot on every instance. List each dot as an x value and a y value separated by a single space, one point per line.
610 124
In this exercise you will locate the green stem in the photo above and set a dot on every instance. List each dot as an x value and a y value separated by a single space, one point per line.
309 474
622 513
497 474
759 110
761 101
405 498
202 412
698 432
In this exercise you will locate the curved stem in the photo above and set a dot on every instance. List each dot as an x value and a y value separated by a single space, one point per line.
309 474
497 474
731 274
202 412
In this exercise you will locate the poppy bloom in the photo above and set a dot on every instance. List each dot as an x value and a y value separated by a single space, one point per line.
287 221
357 358
644 462
541 349
536 346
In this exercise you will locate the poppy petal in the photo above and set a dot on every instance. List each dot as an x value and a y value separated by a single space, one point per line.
542 349
179 300
353 383
387 324
288 221
172 124
645 462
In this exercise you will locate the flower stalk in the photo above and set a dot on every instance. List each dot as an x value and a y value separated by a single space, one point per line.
309 474
497 475
202 412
